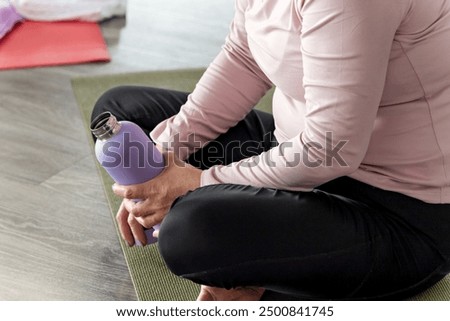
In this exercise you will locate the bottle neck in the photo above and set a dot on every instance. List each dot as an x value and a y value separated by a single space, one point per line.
105 126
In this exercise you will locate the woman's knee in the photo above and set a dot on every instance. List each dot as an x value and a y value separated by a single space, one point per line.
187 233
179 237
111 100
145 106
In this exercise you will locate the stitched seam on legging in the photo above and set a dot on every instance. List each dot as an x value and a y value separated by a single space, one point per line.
393 293
424 236
364 280
281 260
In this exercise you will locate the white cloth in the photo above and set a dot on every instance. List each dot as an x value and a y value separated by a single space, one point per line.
54 10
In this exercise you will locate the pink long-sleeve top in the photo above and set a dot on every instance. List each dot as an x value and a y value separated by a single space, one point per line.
362 90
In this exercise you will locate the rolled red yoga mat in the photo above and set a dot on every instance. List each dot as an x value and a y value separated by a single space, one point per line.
37 44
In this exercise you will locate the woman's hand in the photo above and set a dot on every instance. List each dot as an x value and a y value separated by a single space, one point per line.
156 196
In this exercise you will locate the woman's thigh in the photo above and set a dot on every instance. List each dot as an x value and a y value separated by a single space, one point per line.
250 137
314 245
147 107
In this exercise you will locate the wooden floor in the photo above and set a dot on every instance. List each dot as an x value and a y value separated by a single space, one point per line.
57 240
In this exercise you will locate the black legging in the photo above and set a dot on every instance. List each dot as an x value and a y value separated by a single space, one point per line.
343 240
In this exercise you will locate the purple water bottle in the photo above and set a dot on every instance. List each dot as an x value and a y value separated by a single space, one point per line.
126 153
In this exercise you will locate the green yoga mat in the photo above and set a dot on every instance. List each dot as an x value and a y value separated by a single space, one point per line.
152 280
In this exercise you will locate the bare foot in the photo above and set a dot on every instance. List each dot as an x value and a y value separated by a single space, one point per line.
208 293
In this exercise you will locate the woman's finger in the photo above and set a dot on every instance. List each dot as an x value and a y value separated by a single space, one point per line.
140 208
129 205
137 230
148 221
136 191
145 207
128 191
124 228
